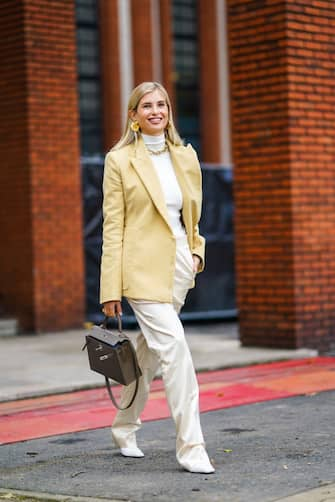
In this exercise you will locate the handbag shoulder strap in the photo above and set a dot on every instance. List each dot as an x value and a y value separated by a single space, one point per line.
108 385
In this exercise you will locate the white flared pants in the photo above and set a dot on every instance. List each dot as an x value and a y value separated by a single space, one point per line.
162 343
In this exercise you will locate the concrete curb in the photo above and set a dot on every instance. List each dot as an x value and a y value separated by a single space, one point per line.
24 496
8 327
324 493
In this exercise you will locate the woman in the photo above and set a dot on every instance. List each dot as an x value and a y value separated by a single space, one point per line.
151 252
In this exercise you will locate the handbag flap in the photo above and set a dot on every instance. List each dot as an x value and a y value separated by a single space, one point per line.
107 336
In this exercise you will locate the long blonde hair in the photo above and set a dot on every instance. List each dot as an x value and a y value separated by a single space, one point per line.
129 136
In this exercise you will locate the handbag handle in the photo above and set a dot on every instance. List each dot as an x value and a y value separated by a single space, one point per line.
119 322
104 324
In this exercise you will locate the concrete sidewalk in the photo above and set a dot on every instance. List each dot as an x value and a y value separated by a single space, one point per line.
51 363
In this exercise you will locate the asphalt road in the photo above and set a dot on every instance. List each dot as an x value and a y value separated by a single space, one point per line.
262 452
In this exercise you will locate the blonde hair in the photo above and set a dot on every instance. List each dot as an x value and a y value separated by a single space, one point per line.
129 136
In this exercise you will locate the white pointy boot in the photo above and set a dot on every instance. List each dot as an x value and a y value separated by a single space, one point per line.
132 452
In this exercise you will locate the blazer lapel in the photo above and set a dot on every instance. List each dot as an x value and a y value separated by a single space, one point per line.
144 167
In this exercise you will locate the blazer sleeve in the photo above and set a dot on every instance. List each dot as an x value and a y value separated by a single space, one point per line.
113 229
198 240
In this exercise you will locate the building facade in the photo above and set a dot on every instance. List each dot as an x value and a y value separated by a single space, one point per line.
252 82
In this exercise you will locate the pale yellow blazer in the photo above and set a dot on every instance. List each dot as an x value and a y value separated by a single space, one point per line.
139 248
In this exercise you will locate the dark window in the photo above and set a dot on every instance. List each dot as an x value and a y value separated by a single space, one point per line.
88 57
185 34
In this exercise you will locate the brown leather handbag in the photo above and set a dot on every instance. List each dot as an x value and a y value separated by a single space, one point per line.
113 356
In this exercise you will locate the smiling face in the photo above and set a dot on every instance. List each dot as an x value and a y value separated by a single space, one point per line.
152 113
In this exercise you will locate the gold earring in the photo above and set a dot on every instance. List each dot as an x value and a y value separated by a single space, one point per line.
135 126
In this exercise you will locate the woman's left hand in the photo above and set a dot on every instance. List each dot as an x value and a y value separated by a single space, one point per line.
196 263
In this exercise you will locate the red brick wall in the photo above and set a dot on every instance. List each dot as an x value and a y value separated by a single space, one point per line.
283 121
16 276
311 81
41 272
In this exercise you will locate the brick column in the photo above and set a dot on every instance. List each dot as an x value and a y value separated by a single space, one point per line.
209 82
110 71
167 57
283 120
142 40
41 256
152 42
150 57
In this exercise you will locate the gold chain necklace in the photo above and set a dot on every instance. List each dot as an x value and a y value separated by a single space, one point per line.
158 152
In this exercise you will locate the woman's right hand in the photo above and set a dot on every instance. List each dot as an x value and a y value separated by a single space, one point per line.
112 308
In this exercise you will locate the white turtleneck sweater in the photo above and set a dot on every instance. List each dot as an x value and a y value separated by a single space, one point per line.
167 177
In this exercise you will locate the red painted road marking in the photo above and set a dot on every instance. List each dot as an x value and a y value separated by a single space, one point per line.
91 409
